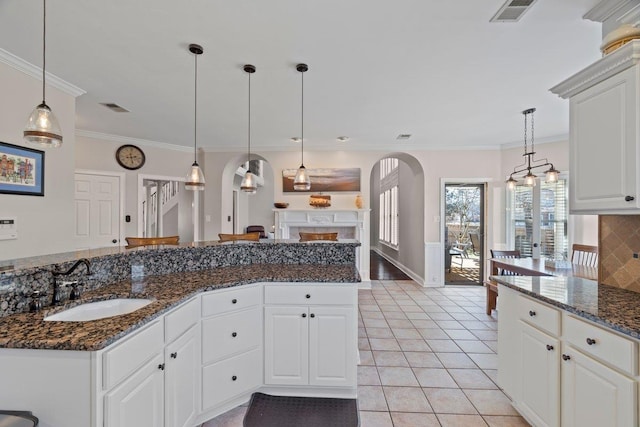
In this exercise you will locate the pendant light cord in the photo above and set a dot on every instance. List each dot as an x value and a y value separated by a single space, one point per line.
44 46
195 113
302 121
249 129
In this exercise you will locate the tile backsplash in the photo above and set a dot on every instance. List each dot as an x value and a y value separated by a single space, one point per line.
619 240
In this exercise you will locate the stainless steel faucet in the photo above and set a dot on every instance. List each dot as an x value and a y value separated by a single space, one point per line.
58 285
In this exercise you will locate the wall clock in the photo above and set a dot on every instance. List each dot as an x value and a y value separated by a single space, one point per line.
130 157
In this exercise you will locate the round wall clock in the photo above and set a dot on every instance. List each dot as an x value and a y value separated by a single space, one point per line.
130 157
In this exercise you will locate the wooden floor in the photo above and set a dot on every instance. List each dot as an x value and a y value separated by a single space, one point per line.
381 269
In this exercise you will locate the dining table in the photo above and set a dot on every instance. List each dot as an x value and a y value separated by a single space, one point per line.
532 267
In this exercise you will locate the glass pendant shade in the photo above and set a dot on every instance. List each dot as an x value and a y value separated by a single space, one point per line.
43 128
552 175
302 182
530 180
249 184
195 179
511 183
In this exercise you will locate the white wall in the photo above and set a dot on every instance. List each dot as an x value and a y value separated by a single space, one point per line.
45 224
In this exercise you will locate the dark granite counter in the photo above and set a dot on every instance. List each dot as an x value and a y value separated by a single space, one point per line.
608 306
29 330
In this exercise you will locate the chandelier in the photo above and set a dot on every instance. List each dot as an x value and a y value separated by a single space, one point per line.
551 174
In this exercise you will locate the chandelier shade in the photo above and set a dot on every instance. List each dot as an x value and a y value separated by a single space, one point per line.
249 184
302 182
195 178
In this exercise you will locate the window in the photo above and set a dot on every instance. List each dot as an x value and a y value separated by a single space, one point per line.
388 231
538 215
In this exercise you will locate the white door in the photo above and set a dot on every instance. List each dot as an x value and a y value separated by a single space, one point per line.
97 210
180 380
594 395
332 346
286 345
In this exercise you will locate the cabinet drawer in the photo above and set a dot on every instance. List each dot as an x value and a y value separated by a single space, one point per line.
309 294
218 383
180 320
539 315
230 334
125 358
219 302
618 351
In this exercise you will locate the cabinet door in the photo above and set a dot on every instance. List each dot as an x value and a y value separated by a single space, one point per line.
540 376
138 401
594 395
508 348
332 346
286 345
180 395
603 145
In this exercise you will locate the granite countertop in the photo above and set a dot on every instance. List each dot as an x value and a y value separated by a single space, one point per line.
612 307
29 330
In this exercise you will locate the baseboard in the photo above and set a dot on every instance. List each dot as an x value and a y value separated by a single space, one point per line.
406 270
365 284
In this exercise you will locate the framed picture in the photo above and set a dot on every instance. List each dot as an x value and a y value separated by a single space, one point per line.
21 170
327 180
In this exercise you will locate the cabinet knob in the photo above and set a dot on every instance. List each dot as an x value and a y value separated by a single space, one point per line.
591 341
234 334
312 315
304 314
308 296
549 347
174 355
629 199
532 313
233 301
566 357
233 378
114 241
161 366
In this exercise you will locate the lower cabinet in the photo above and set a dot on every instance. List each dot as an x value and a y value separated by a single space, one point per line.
181 392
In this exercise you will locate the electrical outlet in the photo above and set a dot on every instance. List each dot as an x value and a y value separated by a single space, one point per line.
635 256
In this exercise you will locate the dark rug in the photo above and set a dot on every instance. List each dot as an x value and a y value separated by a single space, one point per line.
285 411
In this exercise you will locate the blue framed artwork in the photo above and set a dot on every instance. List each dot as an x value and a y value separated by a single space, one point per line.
21 170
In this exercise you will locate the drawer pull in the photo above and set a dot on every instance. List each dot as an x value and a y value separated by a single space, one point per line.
233 378
549 347
566 357
304 314
174 355
233 301
308 296
234 334
161 366
312 315
532 313
591 341
629 199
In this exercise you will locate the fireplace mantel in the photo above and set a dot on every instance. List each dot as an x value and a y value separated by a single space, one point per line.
349 223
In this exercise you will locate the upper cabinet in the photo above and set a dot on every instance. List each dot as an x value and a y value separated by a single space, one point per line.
604 134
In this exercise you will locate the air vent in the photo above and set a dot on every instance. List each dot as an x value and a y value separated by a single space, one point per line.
114 107
404 136
512 10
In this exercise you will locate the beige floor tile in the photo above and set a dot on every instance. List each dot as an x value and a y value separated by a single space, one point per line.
443 346
363 344
368 375
406 399
449 324
425 324
473 346
422 359
395 315
485 335
433 334
389 344
472 378
433 377
490 402
504 421
366 358
449 401
408 419
475 325
362 333
413 345
456 360
418 316
442 316
492 374
372 315
406 333
460 334
368 307
232 418
448 420
400 323
390 358
484 360
375 419
493 345
371 398
375 323
394 376
379 332
390 307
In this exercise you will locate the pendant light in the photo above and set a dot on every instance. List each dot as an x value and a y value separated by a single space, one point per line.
42 126
249 184
195 179
302 182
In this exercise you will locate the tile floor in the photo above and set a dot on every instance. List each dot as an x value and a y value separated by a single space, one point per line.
428 358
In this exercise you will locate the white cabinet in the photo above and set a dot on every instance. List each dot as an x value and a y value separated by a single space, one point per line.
181 391
314 344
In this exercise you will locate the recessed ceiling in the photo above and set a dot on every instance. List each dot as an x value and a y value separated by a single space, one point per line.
438 70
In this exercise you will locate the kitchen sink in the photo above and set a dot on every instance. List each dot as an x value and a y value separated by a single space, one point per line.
99 310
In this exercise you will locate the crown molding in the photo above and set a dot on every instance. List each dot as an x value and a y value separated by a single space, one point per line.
625 57
34 71
134 141
605 9
540 141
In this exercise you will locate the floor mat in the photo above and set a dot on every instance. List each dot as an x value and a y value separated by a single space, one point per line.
285 411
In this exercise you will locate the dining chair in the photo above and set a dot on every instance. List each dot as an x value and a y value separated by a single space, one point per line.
505 254
584 255
258 228
133 242
306 237
247 237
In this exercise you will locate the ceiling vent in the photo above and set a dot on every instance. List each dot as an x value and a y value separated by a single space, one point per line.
403 136
512 10
114 107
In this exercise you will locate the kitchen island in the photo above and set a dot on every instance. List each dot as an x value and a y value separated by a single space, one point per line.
225 321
